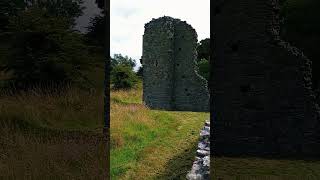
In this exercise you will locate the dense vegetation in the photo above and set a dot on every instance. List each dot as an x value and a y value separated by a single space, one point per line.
41 47
51 93
122 73
203 51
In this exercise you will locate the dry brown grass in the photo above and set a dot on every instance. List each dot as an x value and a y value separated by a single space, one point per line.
25 156
54 135
67 108
133 96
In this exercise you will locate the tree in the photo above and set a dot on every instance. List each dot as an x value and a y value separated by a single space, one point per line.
204 68
100 4
119 59
203 49
9 8
140 72
122 74
97 27
66 8
96 31
122 77
43 49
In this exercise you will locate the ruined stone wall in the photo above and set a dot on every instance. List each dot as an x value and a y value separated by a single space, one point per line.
170 79
261 86
157 61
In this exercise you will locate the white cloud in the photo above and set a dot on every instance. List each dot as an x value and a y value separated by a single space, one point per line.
127 19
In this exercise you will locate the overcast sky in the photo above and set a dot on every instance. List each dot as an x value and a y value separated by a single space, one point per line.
127 19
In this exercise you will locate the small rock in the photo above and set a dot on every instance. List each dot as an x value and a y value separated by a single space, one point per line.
202 145
206 128
202 153
207 123
204 133
201 166
206 161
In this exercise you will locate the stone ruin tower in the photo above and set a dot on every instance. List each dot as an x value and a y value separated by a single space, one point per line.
170 78
261 91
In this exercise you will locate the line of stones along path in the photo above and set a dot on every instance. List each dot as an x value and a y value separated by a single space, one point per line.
201 166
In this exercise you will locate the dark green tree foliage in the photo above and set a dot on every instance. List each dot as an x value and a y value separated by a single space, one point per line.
9 8
204 68
97 27
96 31
100 4
122 74
43 49
63 8
122 77
70 9
203 49
95 36
118 59
301 28
140 72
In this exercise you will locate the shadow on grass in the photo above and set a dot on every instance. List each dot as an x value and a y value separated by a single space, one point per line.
272 157
267 167
46 135
179 165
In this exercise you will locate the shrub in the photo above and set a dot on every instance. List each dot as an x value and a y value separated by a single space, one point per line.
122 77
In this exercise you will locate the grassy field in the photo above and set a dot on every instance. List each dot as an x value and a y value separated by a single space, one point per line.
151 144
226 168
56 135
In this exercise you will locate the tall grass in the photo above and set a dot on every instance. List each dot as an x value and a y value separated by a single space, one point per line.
54 134
25 156
60 108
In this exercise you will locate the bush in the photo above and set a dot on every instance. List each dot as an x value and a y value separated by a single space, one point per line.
122 77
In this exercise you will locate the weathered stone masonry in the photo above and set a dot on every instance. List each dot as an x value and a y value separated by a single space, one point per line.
201 166
170 79
261 86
